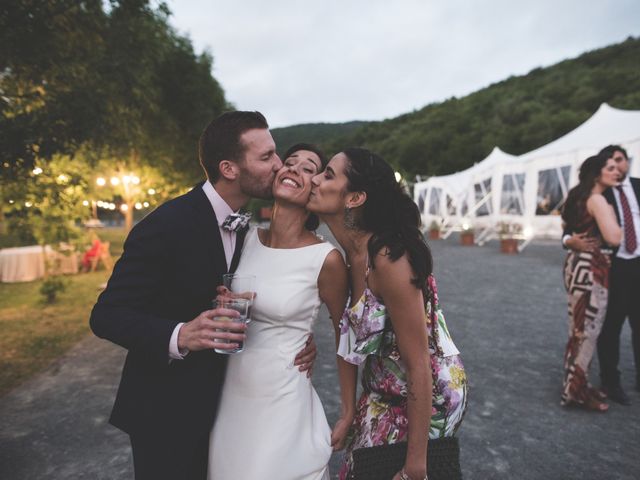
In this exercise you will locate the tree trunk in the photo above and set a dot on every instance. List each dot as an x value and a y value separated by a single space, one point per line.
128 218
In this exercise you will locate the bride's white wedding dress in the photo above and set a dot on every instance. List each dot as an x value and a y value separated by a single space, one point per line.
271 424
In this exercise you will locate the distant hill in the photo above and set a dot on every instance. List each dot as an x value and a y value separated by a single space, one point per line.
318 133
517 114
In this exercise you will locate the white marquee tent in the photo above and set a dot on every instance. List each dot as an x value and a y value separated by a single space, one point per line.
446 199
526 190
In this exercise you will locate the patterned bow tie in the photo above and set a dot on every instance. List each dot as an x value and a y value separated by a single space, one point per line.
236 222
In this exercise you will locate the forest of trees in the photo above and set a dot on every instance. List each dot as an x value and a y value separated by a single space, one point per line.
320 133
93 89
112 79
517 114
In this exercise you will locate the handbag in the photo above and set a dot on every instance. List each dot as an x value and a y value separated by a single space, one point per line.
384 461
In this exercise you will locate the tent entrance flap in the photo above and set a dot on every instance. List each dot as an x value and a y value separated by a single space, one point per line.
552 190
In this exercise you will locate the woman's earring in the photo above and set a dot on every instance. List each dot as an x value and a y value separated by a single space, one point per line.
349 219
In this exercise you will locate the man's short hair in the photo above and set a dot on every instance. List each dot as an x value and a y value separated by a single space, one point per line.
610 150
221 139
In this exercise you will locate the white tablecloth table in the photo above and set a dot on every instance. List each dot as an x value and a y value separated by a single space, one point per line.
24 264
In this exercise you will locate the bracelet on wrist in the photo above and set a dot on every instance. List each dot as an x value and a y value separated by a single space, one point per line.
404 476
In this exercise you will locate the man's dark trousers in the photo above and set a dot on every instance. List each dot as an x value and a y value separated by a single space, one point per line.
624 301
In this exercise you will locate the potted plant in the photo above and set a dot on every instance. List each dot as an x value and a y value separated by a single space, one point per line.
508 234
434 230
466 235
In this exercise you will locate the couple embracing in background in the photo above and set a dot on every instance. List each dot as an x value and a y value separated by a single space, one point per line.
602 272
192 413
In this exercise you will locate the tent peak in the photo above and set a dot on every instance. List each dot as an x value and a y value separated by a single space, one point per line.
605 106
497 149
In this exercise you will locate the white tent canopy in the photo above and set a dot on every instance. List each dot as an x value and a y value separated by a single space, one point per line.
606 127
527 190
446 198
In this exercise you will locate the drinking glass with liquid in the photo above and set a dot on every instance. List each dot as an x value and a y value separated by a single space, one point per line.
241 286
240 305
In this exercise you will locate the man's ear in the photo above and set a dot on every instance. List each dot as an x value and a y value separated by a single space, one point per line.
228 170
356 199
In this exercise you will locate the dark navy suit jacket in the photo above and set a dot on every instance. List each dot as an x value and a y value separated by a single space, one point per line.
173 261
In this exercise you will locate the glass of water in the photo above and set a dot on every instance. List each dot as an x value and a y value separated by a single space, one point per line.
242 286
240 305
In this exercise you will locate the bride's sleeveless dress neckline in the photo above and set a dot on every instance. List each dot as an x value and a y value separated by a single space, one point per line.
271 423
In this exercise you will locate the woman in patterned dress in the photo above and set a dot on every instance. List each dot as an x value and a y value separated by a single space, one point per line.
586 277
414 384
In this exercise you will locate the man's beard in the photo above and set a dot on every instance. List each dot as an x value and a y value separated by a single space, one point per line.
256 187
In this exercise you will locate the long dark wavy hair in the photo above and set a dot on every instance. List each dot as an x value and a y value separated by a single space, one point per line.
389 213
313 222
575 207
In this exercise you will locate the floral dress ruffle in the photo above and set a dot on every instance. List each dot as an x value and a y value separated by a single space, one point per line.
367 338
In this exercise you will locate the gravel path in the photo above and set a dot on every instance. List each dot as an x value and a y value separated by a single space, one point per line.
507 315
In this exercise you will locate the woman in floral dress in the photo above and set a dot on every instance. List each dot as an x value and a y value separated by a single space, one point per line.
586 277
414 384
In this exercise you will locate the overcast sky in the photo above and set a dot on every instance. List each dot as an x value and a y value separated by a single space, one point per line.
303 61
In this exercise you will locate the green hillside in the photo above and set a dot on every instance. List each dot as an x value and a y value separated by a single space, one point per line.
517 114
319 133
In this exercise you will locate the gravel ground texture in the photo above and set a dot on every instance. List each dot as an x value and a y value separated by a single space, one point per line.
507 315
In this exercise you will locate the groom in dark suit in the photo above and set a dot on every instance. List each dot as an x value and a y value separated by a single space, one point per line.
624 278
157 303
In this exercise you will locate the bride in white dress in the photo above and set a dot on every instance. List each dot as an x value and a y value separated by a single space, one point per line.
271 424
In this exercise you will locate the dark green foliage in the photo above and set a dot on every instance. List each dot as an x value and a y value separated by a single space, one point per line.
47 77
160 93
116 81
518 114
316 133
51 287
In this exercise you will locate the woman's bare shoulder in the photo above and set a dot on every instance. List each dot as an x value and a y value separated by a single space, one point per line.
596 201
387 270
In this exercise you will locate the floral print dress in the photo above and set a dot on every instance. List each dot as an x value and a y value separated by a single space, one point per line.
367 338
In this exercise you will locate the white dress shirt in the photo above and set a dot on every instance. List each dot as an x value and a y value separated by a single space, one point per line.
635 214
222 210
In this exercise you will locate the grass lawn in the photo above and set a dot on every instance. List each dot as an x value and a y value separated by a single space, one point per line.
34 333
116 236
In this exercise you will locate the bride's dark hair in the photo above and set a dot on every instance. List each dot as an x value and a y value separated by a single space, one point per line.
574 210
389 213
